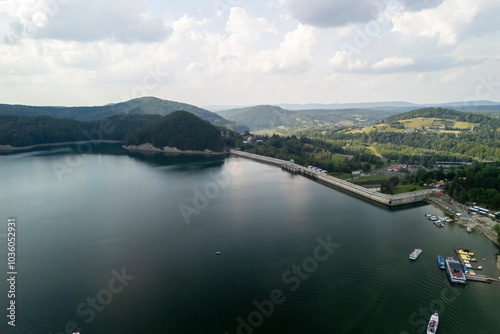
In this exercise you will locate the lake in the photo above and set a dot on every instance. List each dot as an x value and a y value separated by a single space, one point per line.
119 242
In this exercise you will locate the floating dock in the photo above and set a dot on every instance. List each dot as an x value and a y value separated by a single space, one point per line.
390 200
479 278
439 224
466 257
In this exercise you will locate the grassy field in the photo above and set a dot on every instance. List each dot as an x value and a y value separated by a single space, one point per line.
463 125
374 150
380 127
372 179
342 176
415 123
407 188
376 179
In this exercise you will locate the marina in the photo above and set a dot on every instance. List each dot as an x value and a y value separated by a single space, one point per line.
438 221
466 257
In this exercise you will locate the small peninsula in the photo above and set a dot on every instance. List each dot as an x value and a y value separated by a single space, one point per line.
179 131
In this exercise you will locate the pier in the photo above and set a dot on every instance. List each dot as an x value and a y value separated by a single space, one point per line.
470 275
390 200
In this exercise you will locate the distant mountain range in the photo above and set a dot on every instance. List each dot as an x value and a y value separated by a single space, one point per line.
270 117
303 116
462 106
254 118
139 106
267 117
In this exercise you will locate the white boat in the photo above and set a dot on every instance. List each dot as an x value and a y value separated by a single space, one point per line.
432 326
415 254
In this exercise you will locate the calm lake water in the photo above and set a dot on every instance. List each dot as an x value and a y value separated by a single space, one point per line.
113 242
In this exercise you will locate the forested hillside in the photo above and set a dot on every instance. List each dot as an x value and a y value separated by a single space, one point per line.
26 131
180 129
267 117
486 120
477 140
478 183
140 106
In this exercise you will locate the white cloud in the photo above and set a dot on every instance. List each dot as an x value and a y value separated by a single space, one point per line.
277 3
84 20
391 62
448 22
294 54
343 62
244 32
252 54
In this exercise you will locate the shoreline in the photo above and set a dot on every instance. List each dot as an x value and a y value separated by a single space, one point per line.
148 147
9 148
482 224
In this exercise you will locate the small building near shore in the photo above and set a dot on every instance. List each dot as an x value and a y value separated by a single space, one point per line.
397 168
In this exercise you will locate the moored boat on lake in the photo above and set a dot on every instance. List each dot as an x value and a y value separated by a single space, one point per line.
441 263
455 271
415 254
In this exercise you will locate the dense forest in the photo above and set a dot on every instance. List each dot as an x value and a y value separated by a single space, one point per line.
478 183
26 131
180 129
492 122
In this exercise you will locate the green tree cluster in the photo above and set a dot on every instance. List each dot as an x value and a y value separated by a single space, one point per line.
478 183
180 129
389 186
26 131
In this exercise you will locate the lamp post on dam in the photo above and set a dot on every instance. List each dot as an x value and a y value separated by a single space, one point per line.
390 200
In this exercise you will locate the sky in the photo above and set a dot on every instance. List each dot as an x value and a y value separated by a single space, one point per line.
248 52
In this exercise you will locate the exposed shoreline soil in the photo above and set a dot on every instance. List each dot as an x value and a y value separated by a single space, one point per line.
167 149
8 148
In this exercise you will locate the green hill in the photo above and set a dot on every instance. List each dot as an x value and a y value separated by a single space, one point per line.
180 129
267 117
443 113
139 106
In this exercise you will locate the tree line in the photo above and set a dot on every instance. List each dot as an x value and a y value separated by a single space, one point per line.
316 152
19 131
